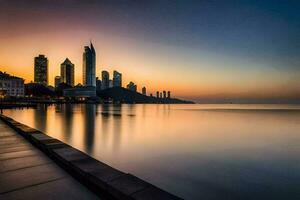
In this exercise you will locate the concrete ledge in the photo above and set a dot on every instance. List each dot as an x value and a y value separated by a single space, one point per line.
96 175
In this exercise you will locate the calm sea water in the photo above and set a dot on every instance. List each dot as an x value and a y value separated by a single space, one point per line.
194 151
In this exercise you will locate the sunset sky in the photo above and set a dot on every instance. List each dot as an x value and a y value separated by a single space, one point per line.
200 49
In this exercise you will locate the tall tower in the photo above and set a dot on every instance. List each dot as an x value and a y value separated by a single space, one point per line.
105 80
67 72
89 66
41 70
117 79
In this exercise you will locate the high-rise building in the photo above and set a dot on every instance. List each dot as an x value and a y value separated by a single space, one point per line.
89 66
131 86
105 80
11 85
117 79
41 70
160 95
144 92
57 81
165 94
157 94
67 72
98 84
169 94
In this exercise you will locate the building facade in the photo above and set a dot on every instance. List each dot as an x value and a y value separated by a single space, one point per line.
117 79
11 85
98 84
67 72
105 80
89 66
41 70
57 81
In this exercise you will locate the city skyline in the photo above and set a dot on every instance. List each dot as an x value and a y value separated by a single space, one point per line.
232 51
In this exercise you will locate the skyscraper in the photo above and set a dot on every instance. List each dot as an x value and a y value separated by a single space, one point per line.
41 70
105 80
144 92
57 81
67 72
89 66
98 84
157 94
117 79
169 94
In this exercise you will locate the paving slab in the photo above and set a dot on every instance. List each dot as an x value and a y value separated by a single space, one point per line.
18 154
26 177
24 162
15 148
65 188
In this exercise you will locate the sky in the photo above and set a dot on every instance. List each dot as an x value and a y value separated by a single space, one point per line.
199 50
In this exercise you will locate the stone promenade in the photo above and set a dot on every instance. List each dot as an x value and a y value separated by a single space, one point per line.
27 173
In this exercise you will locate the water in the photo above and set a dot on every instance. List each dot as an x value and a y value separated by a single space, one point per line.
194 151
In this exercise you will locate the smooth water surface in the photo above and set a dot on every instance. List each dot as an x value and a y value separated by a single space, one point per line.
194 151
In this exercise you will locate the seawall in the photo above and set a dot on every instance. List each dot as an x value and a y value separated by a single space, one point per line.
97 176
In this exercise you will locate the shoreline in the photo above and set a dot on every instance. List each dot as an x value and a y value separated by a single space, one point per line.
94 174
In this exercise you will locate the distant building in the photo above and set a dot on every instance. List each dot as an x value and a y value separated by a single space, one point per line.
117 79
41 70
160 95
11 85
57 81
151 95
165 94
157 94
131 86
67 72
144 92
89 66
105 80
169 95
98 84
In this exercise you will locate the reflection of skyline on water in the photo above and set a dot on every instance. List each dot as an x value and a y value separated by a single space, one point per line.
179 147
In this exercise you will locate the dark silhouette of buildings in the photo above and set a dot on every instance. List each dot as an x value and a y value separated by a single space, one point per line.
165 94
169 95
157 94
117 79
131 86
144 92
89 66
98 84
57 81
105 80
41 70
67 72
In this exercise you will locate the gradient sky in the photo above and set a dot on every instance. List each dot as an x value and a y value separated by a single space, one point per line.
200 49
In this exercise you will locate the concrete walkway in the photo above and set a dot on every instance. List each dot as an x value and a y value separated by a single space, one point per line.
27 173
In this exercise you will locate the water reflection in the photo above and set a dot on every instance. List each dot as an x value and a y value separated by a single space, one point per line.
89 114
194 151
